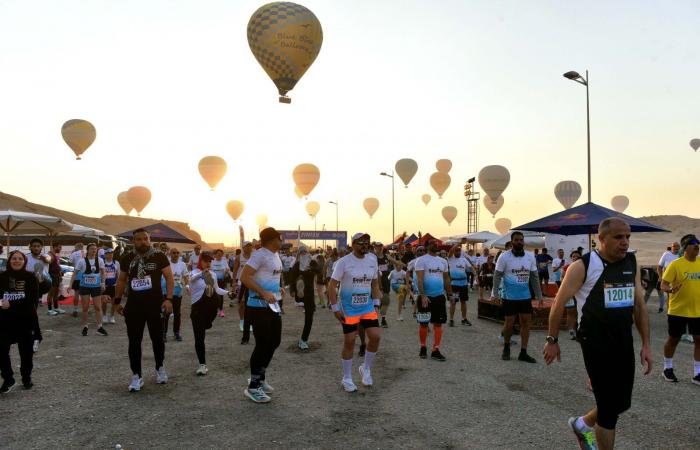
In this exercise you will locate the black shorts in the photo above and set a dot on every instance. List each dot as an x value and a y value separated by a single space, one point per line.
436 308
110 290
513 307
679 325
460 293
486 282
543 275
55 280
76 285
365 323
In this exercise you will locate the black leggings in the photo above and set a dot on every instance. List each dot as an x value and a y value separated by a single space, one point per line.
309 309
267 329
177 306
26 355
202 315
136 320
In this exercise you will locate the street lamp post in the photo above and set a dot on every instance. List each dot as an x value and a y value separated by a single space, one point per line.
393 204
575 76
336 214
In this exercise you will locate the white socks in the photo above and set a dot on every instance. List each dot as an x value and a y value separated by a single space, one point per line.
668 363
581 425
369 359
347 368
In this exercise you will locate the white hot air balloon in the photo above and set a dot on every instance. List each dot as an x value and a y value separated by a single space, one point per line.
406 168
449 213
443 165
440 182
620 203
425 198
234 208
312 208
503 225
492 206
494 180
695 144
567 192
371 205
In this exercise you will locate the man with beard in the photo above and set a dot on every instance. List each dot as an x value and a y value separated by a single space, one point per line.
433 278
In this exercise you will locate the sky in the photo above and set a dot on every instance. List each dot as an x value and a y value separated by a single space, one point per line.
479 82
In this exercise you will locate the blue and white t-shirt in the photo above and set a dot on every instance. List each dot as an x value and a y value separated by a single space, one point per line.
179 273
516 274
458 270
397 278
355 276
111 272
268 268
219 267
433 268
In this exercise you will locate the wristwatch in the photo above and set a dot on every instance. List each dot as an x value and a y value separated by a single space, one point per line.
552 339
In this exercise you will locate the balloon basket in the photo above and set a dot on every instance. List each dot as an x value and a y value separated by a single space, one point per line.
285 99
77 158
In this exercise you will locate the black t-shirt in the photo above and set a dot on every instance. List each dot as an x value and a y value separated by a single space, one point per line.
153 266
383 263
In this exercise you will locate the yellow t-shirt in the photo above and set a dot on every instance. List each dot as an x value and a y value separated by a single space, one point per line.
685 302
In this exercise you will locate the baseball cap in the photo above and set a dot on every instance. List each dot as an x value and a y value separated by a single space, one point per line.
109 250
357 236
269 234
246 243
689 239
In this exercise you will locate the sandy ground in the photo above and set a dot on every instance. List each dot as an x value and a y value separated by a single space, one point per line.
474 400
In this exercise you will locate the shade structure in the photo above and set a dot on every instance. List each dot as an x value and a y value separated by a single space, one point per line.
81 230
161 232
481 236
21 223
533 239
584 219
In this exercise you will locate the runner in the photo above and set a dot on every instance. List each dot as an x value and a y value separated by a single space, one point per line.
181 278
412 277
238 266
142 271
91 270
607 287
262 275
433 279
681 280
305 296
219 266
570 306
74 257
203 286
19 292
38 264
397 279
458 264
543 262
320 277
112 270
486 271
471 268
56 278
233 294
356 304
557 265
666 258
328 270
194 258
518 270
383 262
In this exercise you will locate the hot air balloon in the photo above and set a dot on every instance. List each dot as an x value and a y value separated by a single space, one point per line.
568 193
371 205
449 213
312 208
620 203
234 208
79 135
426 199
212 169
492 206
695 144
298 192
443 165
440 182
285 38
261 220
494 180
406 168
139 197
503 225
123 200
306 177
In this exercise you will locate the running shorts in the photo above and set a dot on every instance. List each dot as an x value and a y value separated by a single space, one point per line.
460 293
544 275
55 280
677 326
486 282
92 292
76 285
436 308
513 307
350 324
110 290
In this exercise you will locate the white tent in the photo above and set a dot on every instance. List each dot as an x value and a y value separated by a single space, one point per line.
479 236
533 239
80 230
18 222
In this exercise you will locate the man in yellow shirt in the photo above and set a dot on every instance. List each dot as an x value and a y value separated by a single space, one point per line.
681 280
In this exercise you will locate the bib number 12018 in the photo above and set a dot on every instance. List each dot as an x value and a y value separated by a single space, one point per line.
618 295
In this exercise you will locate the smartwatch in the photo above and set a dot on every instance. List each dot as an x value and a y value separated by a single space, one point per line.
552 339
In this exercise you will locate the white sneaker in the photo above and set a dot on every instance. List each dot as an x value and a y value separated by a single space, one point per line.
401 318
112 320
59 310
366 376
348 385
136 383
303 345
300 304
257 395
161 376
51 312
265 387
202 370
105 320
35 348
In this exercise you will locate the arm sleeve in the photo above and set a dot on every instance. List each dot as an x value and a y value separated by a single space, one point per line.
535 284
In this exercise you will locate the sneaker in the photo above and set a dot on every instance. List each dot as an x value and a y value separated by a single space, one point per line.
523 356
423 353
265 387
696 379
384 324
102 331
366 375
362 350
222 313
85 331
437 356
400 318
178 337
161 376
586 439
112 320
505 356
7 386
27 384
661 310
105 320
572 335
303 345
452 323
59 310
75 313
240 325
244 341
51 312
349 386
136 383
202 370
257 395
35 347
687 338
668 375
466 322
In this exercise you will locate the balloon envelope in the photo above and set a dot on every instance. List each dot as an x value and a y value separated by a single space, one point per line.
285 38
443 165
123 200
695 144
139 197
620 203
567 192
425 198
306 177
79 135
371 205
261 220
234 208
440 182
298 192
312 208
406 168
212 169
494 180
449 213
492 206
503 225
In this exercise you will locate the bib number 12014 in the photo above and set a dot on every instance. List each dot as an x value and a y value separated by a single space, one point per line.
618 295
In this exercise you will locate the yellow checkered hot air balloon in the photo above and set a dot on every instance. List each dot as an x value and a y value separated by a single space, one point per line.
285 38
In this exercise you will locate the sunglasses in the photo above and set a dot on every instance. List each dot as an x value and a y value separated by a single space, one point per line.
362 242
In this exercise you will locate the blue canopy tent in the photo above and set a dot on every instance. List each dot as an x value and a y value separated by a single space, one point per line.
160 232
410 239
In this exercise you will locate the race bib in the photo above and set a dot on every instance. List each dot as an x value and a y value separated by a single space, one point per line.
423 317
360 299
91 280
618 295
383 268
141 284
110 273
13 296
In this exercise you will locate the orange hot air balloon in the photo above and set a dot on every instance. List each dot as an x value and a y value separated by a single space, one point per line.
620 203
234 208
79 135
306 177
426 199
440 182
212 169
371 205
494 180
406 168
567 192
123 200
298 192
261 220
139 197
449 213
312 208
443 165
492 206
503 225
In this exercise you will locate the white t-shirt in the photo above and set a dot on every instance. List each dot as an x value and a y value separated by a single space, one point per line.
268 268
179 272
516 274
101 253
242 260
666 259
355 276
433 268
31 262
194 260
219 267
397 277
80 266
75 257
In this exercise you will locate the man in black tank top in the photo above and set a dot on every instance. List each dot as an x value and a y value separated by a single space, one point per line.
609 295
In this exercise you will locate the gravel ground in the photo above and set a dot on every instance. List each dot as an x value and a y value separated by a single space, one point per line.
473 400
